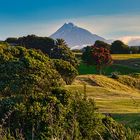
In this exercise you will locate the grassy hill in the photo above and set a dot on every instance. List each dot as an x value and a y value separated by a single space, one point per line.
120 98
110 95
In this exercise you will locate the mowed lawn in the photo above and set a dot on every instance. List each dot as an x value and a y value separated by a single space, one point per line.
125 56
110 101
122 106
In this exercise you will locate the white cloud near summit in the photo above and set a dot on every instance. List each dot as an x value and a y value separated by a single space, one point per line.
131 40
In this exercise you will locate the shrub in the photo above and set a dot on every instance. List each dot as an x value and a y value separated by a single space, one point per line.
66 70
97 56
56 49
23 71
114 75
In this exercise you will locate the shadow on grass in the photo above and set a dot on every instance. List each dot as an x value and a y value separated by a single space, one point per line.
131 120
121 69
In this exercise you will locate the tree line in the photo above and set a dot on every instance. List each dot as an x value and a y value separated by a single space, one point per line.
55 49
48 44
117 47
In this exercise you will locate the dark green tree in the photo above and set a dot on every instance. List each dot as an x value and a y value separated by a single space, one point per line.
118 47
87 55
56 49
23 70
134 50
61 42
102 44
66 70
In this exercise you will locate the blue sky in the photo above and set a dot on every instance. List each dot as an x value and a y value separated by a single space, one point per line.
108 18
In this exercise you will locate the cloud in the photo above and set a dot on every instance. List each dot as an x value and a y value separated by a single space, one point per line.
131 40
111 26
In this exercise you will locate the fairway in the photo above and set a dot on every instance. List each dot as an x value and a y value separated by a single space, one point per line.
119 56
111 96
125 56
110 101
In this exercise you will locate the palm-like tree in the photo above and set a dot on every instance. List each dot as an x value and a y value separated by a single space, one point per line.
61 42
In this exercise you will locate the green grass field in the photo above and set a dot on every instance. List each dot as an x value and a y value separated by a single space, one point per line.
121 69
124 107
111 95
123 64
131 120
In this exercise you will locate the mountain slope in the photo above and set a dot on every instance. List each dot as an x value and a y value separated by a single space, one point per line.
76 37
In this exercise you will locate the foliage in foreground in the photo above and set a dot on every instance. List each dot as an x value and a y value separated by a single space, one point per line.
22 70
66 70
55 49
57 115
50 115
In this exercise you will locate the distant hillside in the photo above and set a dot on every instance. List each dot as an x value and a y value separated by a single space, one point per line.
75 36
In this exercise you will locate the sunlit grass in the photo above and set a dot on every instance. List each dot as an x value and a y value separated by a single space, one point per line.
119 56
125 56
110 95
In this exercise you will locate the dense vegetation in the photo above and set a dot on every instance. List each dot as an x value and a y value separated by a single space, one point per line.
116 47
56 49
22 70
66 70
33 106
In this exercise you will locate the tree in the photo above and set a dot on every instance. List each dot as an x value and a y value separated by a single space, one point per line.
12 40
56 49
102 44
61 42
37 116
66 70
87 55
22 71
58 114
118 47
98 56
134 49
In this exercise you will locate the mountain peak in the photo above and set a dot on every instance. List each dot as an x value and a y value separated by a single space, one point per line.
70 24
75 36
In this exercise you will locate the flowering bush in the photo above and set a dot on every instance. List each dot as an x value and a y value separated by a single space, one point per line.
98 56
